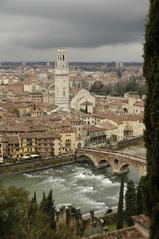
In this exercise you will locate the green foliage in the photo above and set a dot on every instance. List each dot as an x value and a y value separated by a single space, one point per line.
64 233
154 233
110 218
140 200
99 88
47 207
118 89
93 231
21 218
131 203
151 118
120 213
13 211
83 110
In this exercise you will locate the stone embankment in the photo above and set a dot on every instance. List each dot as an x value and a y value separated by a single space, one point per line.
33 165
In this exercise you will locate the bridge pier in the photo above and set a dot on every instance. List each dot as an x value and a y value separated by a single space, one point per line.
142 171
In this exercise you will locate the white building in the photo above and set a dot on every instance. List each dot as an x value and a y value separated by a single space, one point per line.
62 80
83 100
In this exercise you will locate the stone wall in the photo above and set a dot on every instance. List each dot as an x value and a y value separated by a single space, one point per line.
31 166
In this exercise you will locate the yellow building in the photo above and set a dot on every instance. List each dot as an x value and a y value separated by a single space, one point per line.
27 144
68 141
13 143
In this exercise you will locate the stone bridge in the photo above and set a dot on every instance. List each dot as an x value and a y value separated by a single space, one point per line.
117 160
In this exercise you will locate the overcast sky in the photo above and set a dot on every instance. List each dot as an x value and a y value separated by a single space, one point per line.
92 30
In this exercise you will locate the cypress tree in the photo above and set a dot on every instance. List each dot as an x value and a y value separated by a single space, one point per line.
51 210
140 198
120 213
34 198
131 203
43 203
47 207
86 110
151 117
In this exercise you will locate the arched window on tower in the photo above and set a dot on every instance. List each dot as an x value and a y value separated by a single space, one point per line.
63 57
64 93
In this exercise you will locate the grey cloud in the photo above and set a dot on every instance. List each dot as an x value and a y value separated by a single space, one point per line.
46 24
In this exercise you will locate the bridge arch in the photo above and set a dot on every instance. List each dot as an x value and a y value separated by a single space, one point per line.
105 163
88 158
123 167
116 161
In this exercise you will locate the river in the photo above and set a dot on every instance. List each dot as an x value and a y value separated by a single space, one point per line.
78 184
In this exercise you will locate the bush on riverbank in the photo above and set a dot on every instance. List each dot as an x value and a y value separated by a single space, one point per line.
110 218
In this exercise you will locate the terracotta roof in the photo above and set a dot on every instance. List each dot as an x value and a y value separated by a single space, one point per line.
22 126
128 233
107 126
143 220
74 90
116 102
43 135
94 129
130 117
66 123
107 114
139 103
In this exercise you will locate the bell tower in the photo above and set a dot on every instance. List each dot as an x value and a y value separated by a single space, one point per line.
62 79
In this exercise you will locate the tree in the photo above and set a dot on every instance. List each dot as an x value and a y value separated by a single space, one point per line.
120 213
51 210
131 203
13 211
47 206
100 88
43 202
86 110
22 218
151 117
140 197
33 200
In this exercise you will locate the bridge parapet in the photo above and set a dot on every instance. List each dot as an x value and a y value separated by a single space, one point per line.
118 161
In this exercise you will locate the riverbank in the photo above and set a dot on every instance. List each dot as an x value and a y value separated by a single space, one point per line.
132 141
33 166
